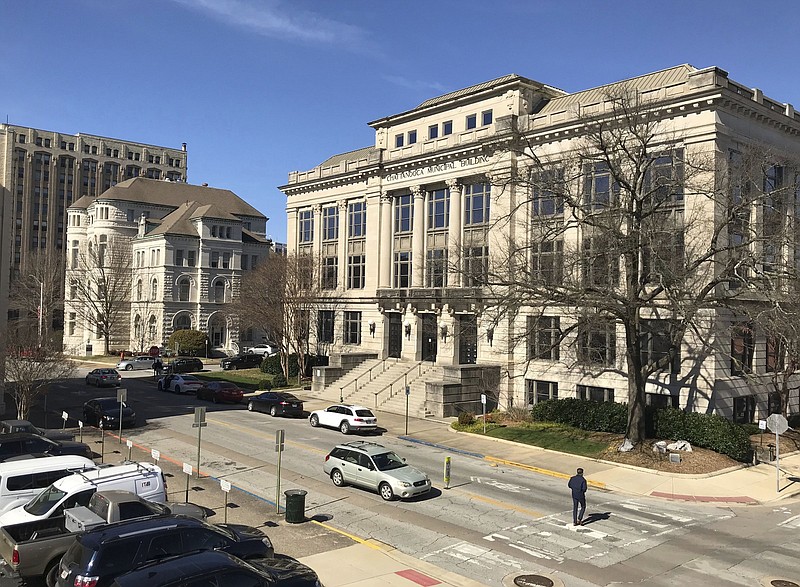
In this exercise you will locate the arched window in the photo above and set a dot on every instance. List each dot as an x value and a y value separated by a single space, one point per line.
184 288
152 330
139 291
183 322
137 327
219 290
101 250
154 290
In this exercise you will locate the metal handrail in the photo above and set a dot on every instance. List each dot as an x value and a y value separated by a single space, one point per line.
390 386
354 382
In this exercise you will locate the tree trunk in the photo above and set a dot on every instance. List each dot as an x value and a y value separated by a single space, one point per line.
635 431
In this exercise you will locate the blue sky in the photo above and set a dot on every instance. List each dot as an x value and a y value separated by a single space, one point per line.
258 88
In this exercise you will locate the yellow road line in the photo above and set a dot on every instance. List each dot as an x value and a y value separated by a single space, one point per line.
498 503
595 484
365 542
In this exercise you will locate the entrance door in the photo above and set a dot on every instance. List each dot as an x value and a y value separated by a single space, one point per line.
395 334
467 340
428 337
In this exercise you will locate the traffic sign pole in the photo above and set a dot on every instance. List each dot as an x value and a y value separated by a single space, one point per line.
778 424
279 438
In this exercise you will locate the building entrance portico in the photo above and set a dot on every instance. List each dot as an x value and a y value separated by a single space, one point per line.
395 342
429 344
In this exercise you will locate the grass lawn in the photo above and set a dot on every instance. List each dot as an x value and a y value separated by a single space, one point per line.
547 435
247 379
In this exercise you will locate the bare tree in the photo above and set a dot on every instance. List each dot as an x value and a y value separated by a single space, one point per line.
100 281
30 371
631 230
38 295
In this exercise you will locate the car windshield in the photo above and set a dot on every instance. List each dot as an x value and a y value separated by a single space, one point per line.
107 371
365 414
227 385
45 501
108 403
191 378
288 397
386 461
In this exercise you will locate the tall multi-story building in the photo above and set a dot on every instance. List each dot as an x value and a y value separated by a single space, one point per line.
175 251
405 229
43 172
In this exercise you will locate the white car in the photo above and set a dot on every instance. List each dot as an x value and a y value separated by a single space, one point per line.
179 383
344 417
135 363
261 349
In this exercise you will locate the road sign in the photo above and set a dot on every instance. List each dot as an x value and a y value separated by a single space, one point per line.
447 472
155 454
762 424
777 424
80 423
129 443
225 485
199 418
408 390
187 468
122 395
279 438
483 399
64 416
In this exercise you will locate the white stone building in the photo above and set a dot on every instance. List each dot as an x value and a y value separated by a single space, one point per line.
187 247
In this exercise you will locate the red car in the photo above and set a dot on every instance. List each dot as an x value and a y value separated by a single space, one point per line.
221 391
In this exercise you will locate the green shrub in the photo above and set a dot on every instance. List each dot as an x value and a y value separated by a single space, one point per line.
704 430
586 415
265 384
279 381
516 414
466 418
272 365
188 342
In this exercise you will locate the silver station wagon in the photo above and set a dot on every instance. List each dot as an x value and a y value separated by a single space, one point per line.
375 467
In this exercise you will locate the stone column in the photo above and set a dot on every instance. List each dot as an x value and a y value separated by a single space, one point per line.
385 254
291 230
418 238
454 234
342 252
317 228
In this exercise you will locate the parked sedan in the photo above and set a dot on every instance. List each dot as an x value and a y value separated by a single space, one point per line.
220 391
179 383
276 403
185 365
106 410
21 445
265 350
103 376
246 361
136 363
10 426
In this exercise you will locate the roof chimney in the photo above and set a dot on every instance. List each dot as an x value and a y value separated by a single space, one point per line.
183 147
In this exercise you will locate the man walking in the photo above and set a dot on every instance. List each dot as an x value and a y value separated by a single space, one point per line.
578 486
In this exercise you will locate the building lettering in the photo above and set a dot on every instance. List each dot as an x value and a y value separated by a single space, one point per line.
435 169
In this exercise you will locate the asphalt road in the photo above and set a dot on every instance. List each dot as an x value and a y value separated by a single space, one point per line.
492 521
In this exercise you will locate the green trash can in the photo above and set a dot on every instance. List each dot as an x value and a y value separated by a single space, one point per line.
295 505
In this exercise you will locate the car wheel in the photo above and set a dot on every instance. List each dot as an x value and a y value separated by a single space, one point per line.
345 427
177 389
235 367
87 381
214 398
51 574
129 367
250 407
337 478
273 411
313 420
386 491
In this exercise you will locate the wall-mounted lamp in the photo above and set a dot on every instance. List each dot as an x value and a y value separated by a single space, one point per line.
443 332
371 327
407 326
490 335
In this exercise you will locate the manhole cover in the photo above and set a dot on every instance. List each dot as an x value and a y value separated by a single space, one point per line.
783 583
533 580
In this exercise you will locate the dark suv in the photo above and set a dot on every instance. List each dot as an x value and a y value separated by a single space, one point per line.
247 361
98 556
185 365
24 445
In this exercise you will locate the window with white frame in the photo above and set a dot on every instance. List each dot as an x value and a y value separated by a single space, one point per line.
447 128
436 268
547 198
179 257
325 326
742 348
403 213
355 271
471 121
433 131
486 117
599 188
330 272
352 327
655 342
540 391
357 219
476 266
544 336
595 394
330 223
184 289
547 261
597 342
438 209
402 269
399 139
215 259
306 225
477 197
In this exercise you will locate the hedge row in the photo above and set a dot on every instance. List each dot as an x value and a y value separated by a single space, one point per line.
272 365
704 430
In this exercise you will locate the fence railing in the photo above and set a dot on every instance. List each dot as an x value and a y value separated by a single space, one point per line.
403 378
354 382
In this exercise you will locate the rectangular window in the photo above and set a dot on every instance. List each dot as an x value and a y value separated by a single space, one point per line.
447 128
438 209
325 326
742 347
130 215
663 181
436 268
476 205
352 327
355 272
547 200
547 262
412 137
226 260
306 226
655 341
471 122
476 266
179 257
402 269
330 272
597 343
403 213
245 264
398 140
486 117
214 259
253 261
544 336
191 258
71 324
433 131
600 264
776 351
357 220
540 391
599 188
661 401
744 409
595 394
330 223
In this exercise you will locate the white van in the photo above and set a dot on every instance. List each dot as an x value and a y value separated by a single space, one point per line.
143 479
20 481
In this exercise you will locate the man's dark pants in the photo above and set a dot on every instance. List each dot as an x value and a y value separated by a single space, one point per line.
576 515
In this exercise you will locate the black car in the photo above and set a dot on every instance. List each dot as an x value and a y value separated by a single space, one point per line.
206 568
104 376
25 445
246 361
185 365
106 409
276 403
11 426
104 553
